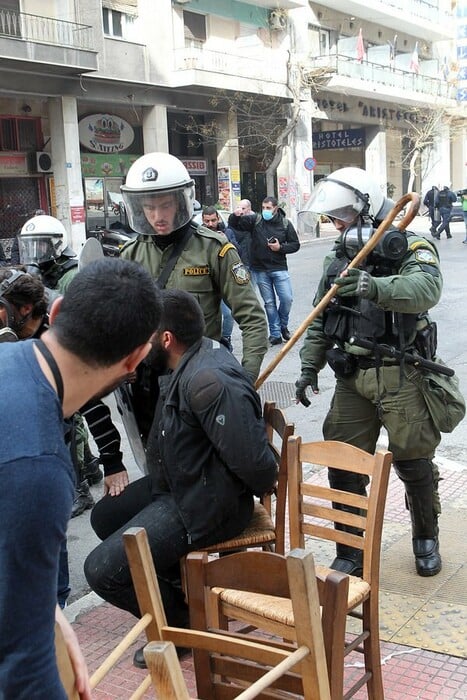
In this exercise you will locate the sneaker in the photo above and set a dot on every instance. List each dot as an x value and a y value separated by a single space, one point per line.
91 471
285 333
275 341
448 235
83 499
437 237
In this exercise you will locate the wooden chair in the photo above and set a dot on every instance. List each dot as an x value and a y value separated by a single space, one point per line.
310 505
264 530
267 576
312 514
232 662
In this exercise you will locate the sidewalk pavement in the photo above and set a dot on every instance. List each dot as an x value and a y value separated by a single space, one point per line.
423 620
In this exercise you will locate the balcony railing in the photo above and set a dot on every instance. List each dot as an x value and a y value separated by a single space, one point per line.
45 30
424 9
271 67
405 81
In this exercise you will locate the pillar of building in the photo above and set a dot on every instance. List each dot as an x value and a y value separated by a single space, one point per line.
228 161
155 129
67 183
375 155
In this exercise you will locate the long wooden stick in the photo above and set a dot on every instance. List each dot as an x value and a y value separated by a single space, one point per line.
414 199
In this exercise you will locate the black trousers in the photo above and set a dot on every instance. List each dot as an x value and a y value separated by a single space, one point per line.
106 567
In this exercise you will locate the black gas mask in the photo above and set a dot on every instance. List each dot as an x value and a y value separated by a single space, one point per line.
10 327
391 247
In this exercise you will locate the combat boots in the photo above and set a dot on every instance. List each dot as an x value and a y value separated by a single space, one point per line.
83 499
420 477
91 470
348 559
425 542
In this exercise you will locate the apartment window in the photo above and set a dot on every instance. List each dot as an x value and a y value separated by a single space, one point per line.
324 42
113 22
195 26
18 134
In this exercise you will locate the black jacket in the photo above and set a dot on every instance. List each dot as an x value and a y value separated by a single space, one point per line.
208 443
261 257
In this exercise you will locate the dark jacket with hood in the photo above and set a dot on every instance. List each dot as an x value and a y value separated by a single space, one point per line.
262 258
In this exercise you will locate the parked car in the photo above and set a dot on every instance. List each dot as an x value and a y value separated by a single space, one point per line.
456 212
223 213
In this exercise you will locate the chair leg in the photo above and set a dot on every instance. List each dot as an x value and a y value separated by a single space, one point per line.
372 649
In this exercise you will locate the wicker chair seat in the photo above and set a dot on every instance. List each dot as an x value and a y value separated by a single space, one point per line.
260 530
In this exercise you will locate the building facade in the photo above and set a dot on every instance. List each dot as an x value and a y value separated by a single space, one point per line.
255 98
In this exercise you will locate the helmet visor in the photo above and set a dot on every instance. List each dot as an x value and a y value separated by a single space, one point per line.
159 213
39 249
336 201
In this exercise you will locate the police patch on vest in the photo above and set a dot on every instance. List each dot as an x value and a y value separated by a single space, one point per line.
425 256
240 273
196 271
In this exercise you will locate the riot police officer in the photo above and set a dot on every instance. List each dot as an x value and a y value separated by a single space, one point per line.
159 197
383 303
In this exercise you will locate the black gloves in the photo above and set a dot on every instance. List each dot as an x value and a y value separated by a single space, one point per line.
356 283
308 377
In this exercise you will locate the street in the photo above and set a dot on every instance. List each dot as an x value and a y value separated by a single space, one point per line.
305 268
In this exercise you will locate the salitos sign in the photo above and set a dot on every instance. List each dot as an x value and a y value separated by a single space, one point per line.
105 133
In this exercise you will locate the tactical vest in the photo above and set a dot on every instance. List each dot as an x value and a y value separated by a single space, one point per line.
52 276
356 316
443 199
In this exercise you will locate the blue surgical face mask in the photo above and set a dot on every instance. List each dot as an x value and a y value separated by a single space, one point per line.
267 214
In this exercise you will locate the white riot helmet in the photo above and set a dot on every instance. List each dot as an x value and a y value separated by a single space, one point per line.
42 239
150 177
348 192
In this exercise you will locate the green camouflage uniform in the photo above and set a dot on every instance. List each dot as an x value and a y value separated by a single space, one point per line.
209 268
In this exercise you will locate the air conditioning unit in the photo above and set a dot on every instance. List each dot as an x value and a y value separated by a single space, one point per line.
42 162
277 20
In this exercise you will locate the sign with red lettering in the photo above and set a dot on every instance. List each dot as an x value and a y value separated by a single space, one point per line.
78 215
195 166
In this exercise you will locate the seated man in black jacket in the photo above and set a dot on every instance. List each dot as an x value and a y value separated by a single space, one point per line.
207 456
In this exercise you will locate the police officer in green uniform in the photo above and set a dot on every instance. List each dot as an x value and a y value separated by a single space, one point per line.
159 199
382 303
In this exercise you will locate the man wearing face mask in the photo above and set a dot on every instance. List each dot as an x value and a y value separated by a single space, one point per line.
384 303
273 237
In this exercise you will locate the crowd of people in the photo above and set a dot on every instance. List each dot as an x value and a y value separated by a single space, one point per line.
164 333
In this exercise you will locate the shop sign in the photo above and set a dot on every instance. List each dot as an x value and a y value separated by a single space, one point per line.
342 138
105 133
13 164
111 165
195 166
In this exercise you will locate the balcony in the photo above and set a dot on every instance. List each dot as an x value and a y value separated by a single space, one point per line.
366 79
31 43
264 73
420 18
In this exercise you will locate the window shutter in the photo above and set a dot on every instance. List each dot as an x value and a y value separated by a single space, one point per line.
128 7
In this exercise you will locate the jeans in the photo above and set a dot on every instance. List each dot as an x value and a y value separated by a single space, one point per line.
465 223
227 321
272 284
106 567
63 579
445 218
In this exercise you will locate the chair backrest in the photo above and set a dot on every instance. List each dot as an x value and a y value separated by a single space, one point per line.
278 431
311 511
277 578
254 663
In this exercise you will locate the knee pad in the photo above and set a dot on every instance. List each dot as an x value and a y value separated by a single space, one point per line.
415 471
